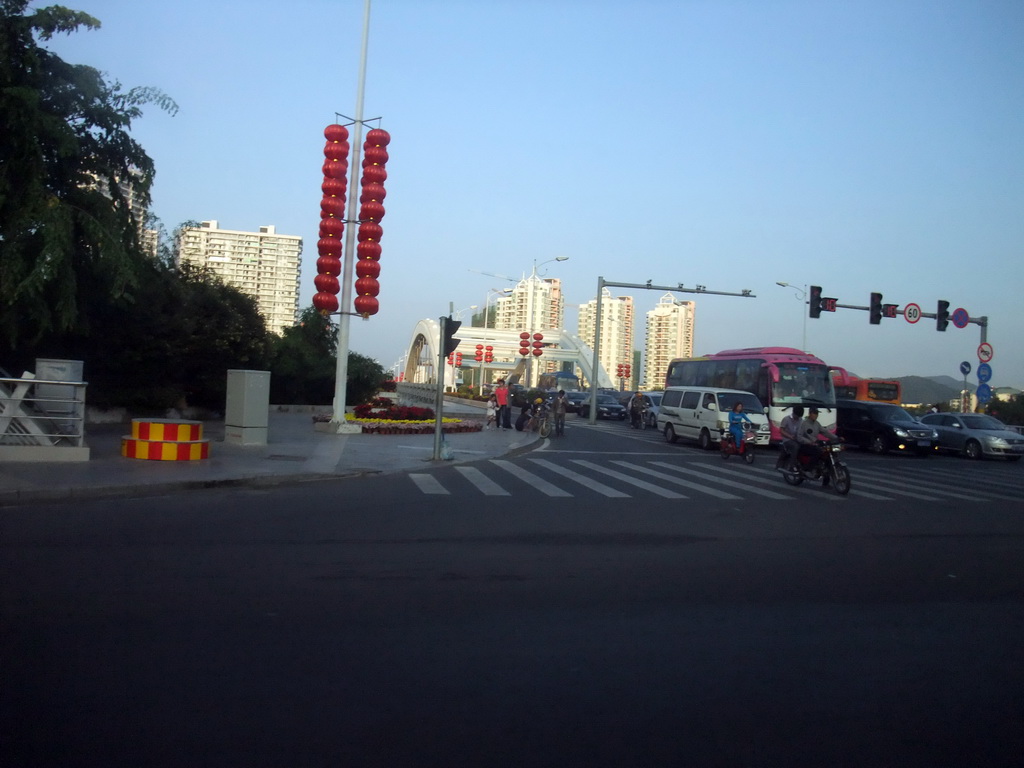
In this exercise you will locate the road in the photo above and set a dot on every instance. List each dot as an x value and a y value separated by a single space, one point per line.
473 616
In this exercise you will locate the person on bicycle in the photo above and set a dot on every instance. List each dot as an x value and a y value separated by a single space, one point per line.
538 412
635 406
736 419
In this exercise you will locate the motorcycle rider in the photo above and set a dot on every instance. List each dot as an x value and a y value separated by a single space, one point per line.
789 427
808 433
736 419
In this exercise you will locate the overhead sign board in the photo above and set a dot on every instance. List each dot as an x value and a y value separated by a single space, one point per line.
960 317
911 313
985 352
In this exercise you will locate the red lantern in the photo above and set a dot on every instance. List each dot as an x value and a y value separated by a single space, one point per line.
367 286
329 246
334 187
335 169
538 345
337 150
479 356
538 352
327 284
488 354
336 132
374 156
538 337
367 268
369 231
331 227
372 191
524 335
328 265
325 303
366 305
332 206
368 250
374 174
377 137
371 211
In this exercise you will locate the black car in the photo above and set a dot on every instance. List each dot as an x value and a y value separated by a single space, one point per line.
575 400
607 408
883 427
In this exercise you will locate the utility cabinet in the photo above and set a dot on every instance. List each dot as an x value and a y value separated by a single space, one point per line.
247 410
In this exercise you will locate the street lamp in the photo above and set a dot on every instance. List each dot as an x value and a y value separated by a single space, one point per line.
803 300
459 312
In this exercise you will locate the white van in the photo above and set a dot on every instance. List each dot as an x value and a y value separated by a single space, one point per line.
701 413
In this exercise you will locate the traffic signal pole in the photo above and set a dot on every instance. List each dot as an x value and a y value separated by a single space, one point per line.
601 285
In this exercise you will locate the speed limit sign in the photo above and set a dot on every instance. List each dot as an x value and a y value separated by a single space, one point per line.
911 313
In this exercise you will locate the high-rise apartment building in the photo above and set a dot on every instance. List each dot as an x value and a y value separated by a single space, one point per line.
669 335
263 264
535 304
616 330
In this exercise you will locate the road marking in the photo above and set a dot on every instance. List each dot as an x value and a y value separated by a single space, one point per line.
732 483
531 479
655 489
581 479
686 483
855 489
429 484
877 477
482 482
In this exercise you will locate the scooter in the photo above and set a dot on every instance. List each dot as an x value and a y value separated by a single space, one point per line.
638 419
827 467
727 443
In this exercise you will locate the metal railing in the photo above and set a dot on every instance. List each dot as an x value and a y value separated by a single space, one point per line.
42 412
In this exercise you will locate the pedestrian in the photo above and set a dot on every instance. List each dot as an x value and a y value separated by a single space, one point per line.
501 398
492 412
558 409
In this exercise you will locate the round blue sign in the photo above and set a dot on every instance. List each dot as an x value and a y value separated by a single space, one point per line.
984 393
984 373
965 367
960 317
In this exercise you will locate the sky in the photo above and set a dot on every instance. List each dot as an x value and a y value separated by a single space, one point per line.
860 146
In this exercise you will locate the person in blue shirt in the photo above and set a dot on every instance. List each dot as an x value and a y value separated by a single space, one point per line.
736 419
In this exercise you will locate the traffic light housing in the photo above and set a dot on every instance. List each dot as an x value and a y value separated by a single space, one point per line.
449 328
876 309
814 303
942 315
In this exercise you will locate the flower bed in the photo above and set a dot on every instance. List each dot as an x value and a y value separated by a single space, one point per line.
381 417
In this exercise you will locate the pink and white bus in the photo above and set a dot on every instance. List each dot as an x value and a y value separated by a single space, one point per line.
781 377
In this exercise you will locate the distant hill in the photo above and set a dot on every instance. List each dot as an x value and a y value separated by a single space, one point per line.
931 389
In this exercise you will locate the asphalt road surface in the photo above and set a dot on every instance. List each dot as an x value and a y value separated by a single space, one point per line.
516 613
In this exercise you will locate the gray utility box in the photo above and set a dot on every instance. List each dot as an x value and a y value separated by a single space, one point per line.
247 410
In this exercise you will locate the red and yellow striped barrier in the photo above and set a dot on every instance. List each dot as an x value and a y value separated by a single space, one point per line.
164 440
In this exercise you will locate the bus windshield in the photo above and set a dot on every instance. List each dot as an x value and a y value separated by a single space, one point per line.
803 383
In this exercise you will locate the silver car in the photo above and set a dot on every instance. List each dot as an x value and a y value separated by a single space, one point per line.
975 435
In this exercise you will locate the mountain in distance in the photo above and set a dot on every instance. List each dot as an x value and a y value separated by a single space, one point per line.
931 389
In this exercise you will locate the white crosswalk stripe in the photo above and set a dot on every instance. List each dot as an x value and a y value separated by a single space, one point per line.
773 475
655 489
429 485
884 480
590 483
482 482
542 485
702 473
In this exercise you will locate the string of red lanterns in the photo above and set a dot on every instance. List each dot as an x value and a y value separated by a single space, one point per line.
371 211
332 221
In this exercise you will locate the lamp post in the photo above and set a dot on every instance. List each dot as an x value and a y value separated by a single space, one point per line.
801 294
534 279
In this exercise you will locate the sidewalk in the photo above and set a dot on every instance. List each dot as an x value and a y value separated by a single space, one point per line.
294 453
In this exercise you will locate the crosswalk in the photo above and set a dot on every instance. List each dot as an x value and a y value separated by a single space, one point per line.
640 475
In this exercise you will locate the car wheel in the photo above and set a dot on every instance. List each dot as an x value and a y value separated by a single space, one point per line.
704 441
878 444
670 434
972 449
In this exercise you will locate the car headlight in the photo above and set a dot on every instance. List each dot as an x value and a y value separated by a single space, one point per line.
935 435
998 442
902 433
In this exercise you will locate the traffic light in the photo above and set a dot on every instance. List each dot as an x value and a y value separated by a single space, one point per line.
815 301
876 309
942 315
449 328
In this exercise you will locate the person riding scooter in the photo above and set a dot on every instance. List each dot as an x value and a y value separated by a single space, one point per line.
635 406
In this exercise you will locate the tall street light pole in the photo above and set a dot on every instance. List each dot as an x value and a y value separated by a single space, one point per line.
803 299
341 369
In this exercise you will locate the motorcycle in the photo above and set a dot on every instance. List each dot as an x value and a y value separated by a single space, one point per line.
638 419
827 467
727 443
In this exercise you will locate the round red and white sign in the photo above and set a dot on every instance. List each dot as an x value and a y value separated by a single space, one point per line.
911 313
985 352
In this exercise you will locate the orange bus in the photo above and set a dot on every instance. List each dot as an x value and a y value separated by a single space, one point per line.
850 387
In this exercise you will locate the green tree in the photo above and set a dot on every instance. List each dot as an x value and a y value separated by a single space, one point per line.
303 361
68 238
